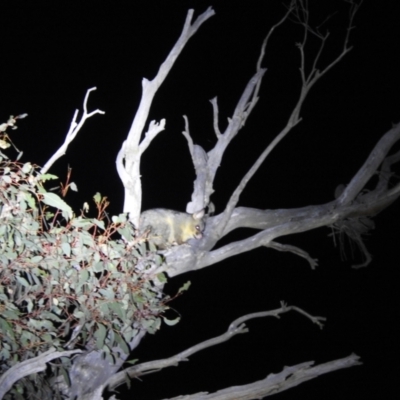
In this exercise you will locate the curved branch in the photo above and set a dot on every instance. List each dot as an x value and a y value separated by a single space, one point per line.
28 367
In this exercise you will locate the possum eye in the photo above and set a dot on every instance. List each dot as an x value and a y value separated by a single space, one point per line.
197 227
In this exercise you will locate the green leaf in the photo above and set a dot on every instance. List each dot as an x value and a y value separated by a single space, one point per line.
65 375
116 307
47 177
97 198
83 276
105 309
3 229
100 335
41 324
36 259
171 322
100 224
30 200
121 343
66 249
7 179
23 281
10 314
29 306
159 260
184 287
125 233
123 217
134 361
50 316
78 314
162 278
108 293
27 168
6 328
82 222
55 201
98 267
4 354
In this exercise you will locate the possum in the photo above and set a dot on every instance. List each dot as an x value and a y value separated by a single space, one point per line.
167 228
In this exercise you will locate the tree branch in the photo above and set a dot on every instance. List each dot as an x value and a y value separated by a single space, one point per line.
73 130
28 367
276 383
371 165
236 327
130 151
276 223
199 159
300 12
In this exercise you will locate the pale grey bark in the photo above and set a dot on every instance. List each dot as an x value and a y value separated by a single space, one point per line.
272 384
128 160
236 327
72 132
28 367
288 378
271 224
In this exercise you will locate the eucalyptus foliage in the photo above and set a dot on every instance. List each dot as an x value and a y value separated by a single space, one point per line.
67 281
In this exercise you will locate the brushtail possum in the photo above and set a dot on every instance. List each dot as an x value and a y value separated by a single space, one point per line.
169 227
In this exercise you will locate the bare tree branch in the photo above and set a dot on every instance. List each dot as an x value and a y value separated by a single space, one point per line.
276 223
370 166
28 367
131 150
273 383
236 327
73 130
295 250
300 13
199 159
276 383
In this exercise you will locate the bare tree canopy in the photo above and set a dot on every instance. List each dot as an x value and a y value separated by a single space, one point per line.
277 119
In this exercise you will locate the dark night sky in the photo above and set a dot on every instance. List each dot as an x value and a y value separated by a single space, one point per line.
52 52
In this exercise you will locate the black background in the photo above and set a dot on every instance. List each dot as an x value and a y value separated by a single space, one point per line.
52 52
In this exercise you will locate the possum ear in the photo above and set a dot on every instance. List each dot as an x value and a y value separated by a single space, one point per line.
198 214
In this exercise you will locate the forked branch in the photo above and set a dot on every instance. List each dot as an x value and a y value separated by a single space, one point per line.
128 160
73 131
299 12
